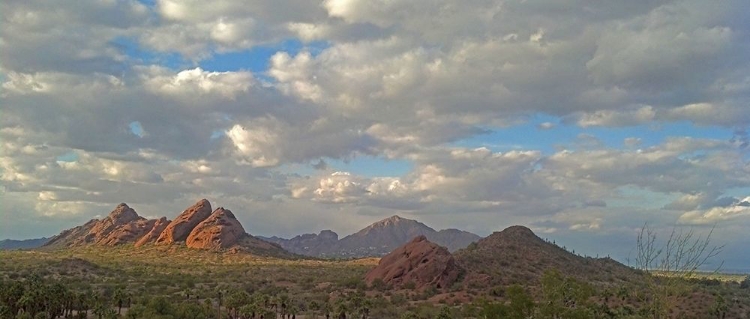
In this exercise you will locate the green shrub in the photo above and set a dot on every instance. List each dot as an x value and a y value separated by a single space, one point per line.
745 284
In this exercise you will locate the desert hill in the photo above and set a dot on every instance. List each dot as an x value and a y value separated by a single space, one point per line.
377 239
196 227
512 256
517 256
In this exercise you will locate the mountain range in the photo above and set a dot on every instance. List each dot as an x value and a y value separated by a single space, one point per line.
200 227
22 244
377 239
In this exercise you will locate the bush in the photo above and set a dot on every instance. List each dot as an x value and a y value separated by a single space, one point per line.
353 283
745 284
410 285
378 284
497 291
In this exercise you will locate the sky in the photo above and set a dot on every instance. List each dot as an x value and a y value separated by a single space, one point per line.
583 120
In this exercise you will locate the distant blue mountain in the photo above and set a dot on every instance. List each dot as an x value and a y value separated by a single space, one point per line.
9 244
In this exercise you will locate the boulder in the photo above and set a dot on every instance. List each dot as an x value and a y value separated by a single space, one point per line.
420 262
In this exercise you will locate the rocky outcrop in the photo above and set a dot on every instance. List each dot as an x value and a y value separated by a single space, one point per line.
71 236
154 232
100 231
120 216
196 227
220 230
179 229
420 262
127 233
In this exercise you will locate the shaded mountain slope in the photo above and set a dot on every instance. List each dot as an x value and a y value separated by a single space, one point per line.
517 256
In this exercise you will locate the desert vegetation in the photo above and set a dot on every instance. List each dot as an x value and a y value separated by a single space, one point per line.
509 274
177 282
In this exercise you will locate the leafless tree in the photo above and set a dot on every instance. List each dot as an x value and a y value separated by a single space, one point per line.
668 265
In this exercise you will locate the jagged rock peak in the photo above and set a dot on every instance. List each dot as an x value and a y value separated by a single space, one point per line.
393 220
123 214
154 232
222 210
220 230
127 233
179 229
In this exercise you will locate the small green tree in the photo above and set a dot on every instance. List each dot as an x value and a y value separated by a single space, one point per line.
521 303
314 307
445 313
745 284
119 297
409 315
235 300
24 315
249 310
720 307
564 297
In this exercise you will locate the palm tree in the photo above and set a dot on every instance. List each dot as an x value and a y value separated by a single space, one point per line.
262 300
314 306
9 295
218 313
58 300
67 303
100 306
249 310
119 296
342 309
26 302
293 310
274 304
83 303
236 299
284 300
327 309
366 305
